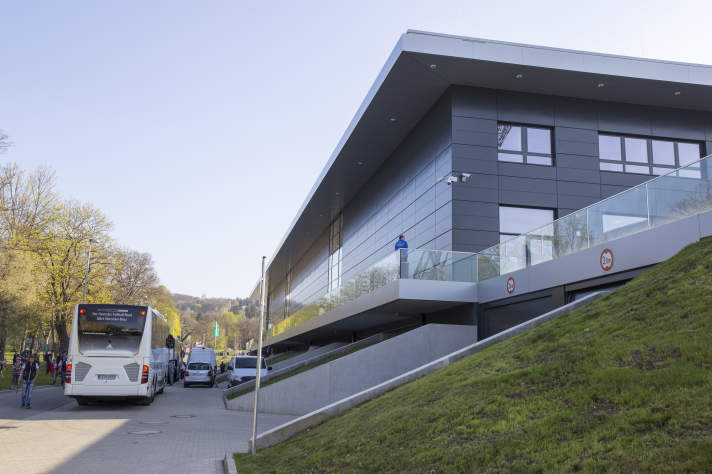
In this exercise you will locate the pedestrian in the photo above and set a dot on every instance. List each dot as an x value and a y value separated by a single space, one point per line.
52 366
402 247
3 365
57 369
28 374
16 368
62 369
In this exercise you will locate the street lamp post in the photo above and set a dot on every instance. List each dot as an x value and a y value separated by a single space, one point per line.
259 354
86 275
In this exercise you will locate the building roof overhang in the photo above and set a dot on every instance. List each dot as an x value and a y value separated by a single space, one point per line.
408 86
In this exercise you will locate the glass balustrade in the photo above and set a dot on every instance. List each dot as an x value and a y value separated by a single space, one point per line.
664 199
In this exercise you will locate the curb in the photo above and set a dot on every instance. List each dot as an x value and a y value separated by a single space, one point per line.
287 430
229 464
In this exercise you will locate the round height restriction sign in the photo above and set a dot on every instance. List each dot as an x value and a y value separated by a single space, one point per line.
606 259
510 285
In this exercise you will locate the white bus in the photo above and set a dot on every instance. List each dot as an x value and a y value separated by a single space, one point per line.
116 352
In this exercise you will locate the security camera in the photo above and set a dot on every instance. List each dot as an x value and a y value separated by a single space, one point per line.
464 177
450 180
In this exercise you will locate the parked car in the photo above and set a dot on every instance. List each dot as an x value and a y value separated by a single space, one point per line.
202 367
244 368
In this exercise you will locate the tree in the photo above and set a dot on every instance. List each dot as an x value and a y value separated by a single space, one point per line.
4 143
61 253
133 277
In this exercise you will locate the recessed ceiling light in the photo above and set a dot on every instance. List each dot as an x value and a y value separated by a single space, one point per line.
433 66
338 194
360 163
392 119
676 93
601 84
518 75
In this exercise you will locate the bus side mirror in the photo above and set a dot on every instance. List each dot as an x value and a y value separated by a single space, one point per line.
269 368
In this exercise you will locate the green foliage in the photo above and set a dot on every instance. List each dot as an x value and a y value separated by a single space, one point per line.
620 385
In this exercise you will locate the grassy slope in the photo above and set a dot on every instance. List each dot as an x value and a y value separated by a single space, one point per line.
624 384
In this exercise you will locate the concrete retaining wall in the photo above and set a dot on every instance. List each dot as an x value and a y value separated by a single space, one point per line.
355 372
307 355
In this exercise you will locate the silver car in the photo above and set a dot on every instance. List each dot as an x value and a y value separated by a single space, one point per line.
199 372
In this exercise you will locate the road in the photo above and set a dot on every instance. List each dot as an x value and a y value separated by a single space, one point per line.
184 430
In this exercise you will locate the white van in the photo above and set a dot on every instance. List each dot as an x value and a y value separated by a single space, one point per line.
244 368
202 367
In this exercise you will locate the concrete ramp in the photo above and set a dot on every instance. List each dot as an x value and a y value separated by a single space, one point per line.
306 355
348 375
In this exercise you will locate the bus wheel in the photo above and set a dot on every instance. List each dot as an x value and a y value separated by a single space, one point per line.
82 402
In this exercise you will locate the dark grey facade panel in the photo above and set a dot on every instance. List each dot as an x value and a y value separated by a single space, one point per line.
568 201
580 189
678 124
575 113
610 190
474 102
623 118
564 212
623 179
526 171
576 161
531 109
476 210
576 135
578 175
576 148
474 159
473 193
532 185
478 238
527 199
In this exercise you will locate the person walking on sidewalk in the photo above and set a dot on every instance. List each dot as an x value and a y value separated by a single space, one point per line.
16 368
29 373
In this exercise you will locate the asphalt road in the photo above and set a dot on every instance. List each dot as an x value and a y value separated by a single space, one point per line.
184 430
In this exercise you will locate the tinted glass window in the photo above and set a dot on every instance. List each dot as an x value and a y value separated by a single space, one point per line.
611 167
609 147
198 366
538 141
518 220
509 137
636 150
510 157
689 152
663 152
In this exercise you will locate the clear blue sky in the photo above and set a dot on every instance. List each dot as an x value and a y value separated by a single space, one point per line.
199 127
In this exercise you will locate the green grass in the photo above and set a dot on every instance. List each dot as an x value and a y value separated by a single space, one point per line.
42 378
276 379
623 384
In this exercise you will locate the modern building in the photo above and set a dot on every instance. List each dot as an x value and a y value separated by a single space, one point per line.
463 143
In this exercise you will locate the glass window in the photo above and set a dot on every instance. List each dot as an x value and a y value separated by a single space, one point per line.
539 140
609 147
518 220
510 157
611 167
637 169
519 144
509 137
663 153
689 153
636 150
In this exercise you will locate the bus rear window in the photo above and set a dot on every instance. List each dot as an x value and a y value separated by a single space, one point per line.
111 320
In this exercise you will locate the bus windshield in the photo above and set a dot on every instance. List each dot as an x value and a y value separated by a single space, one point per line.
110 327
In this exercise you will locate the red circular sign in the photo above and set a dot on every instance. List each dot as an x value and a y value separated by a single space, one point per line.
510 285
606 260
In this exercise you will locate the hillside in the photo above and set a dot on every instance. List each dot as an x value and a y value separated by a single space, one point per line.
624 384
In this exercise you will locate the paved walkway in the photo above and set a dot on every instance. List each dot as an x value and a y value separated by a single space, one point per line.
184 430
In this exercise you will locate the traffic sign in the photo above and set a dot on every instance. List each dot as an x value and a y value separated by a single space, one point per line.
606 260
510 285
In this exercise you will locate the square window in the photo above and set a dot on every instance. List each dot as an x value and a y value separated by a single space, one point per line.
611 167
688 152
510 157
539 140
636 150
538 160
609 147
663 153
509 137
